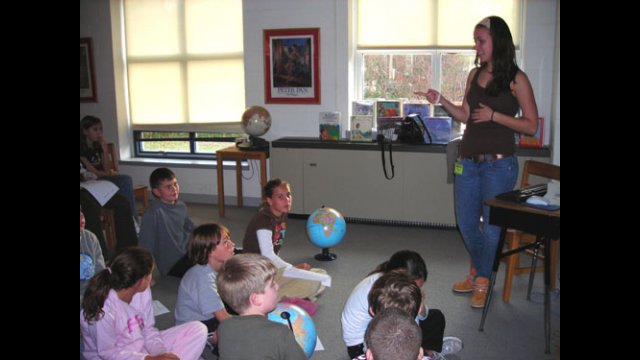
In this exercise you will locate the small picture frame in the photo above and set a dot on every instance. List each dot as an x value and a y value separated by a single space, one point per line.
536 140
87 72
291 66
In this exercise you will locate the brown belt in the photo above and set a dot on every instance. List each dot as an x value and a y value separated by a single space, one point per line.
485 157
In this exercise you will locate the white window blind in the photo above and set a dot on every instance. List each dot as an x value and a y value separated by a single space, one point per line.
429 23
185 67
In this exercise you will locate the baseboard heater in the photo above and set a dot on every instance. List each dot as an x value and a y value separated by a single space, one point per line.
356 220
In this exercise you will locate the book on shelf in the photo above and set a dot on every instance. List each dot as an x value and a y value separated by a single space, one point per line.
424 110
535 140
388 108
361 128
439 128
387 126
362 107
330 125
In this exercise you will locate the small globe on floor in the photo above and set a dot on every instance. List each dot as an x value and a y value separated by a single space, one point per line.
300 322
326 228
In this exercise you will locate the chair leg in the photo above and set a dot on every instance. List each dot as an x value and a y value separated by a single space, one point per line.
513 239
555 244
532 273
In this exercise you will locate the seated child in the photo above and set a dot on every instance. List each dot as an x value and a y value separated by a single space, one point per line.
166 226
247 283
209 247
117 320
356 315
393 335
91 260
265 235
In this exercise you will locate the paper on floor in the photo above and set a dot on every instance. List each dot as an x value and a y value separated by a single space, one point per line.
159 308
293 272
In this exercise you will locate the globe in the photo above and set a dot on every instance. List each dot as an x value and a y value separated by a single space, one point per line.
87 267
304 329
325 228
256 121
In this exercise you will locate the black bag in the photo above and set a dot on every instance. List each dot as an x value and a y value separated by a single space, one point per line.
412 130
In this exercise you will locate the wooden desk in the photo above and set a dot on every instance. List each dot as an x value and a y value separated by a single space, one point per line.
542 223
233 153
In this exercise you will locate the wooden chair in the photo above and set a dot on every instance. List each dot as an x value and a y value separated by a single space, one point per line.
139 191
109 229
516 238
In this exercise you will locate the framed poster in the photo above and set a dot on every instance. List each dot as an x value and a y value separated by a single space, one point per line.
87 72
291 66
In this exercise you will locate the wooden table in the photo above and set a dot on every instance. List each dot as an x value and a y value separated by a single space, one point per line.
545 225
233 153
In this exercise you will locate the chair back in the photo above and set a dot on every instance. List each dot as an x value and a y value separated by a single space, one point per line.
112 157
537 168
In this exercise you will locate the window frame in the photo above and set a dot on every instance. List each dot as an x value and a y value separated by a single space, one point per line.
192 140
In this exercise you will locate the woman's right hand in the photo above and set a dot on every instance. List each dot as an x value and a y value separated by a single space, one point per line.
433 96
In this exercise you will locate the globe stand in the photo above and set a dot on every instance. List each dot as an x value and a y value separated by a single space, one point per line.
325 255
254 143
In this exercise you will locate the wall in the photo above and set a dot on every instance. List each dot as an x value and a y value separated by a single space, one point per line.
332 17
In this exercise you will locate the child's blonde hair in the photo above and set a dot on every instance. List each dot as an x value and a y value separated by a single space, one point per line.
243 275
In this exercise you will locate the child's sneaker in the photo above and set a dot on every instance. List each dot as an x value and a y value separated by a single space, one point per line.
451 345
434 356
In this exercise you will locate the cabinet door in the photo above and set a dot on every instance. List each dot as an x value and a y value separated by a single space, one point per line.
353 183
427 196
287 165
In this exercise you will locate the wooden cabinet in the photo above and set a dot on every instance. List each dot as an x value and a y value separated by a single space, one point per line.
349 178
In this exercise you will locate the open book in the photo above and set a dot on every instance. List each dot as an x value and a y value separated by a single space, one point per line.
102 190
294 272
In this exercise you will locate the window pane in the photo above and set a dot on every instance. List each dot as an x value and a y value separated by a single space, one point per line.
156 91
151 30
221 36
163 135
396 76
455 70
216 90
166 146
396 23
429 23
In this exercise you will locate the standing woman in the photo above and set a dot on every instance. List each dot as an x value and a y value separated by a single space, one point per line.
487 166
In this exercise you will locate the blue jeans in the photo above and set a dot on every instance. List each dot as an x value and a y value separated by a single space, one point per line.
125 183
477 183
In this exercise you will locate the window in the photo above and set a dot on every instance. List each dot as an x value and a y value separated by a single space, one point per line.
430 46
168 144
185 75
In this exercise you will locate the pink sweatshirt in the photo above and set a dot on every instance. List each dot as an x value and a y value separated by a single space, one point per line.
126 331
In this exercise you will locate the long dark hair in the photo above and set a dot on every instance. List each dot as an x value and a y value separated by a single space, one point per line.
504 55
405 259
87 122
268 190
131 265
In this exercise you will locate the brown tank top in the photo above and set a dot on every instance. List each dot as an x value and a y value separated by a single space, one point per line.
488 137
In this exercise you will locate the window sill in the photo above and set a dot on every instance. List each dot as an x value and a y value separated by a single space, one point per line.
181 163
